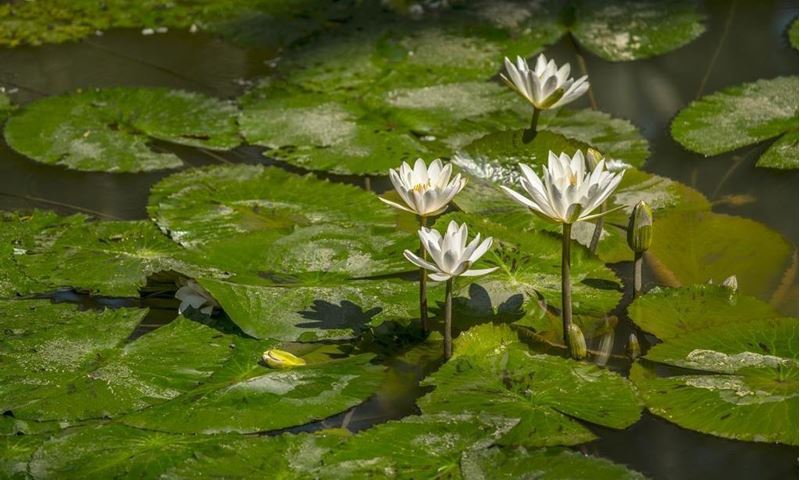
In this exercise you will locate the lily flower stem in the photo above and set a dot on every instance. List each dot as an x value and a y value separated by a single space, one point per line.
598 230
534 121
448 320
566 286
423 283
637 273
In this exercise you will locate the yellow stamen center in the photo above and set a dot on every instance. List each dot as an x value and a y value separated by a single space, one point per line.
421 187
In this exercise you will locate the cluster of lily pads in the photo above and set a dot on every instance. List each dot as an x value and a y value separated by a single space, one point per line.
295 290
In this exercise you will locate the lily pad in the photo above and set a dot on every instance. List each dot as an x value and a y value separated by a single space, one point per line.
203 205
743 384
529 273
60 363
792 34
744 115
491 372
635 29
695 247
668 312
426 446
546 463
110 130
245 396
314 307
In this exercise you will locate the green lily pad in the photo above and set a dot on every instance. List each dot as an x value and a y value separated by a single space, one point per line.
491 372
426 446
529 273
109 130
743 384
245 396
792 34
744 115
63 364
668 312
695 247
634 29
546 463
311 309
15 452
203 205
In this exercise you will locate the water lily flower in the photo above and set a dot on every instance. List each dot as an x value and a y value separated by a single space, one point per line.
451 257
567 192
275 358
546 86
450 254
191 294
425 190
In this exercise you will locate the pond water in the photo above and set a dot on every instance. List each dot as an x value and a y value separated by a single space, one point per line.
744 41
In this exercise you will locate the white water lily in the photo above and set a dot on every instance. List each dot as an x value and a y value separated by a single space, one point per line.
451 255
567 192
426 190
193 295
546 86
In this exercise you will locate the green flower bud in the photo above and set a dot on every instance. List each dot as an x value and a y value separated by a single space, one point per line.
634 350
577 342
593 158
640 228
275 358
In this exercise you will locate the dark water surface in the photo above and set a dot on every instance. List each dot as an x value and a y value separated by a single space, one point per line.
745 41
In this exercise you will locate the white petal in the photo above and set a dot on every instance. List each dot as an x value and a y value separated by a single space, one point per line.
478 272
396 205
416 260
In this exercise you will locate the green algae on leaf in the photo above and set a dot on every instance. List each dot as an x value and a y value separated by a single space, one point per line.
504 378
635 29
742 384
110 130
744 115
668 312
245 396
64 364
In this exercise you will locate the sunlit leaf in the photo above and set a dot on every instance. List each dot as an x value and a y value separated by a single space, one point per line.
544 392
111 130
744 115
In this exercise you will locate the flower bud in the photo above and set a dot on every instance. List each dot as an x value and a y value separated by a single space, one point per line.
577 342
640 228
275 358
593 158
731 283
633 348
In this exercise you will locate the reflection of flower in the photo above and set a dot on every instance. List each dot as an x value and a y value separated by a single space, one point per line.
193 295
425 190
567 192
451 254
546 86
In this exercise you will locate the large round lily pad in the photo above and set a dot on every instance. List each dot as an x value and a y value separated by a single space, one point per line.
491 372
245 396
742 384
59 363
744 115
112 129
204 205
